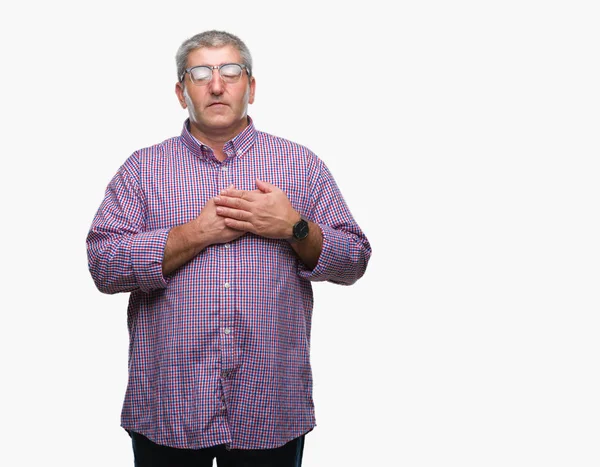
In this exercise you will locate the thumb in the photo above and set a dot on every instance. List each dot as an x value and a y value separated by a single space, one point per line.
265 187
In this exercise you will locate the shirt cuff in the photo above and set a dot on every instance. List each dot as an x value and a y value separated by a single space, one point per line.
335 246
147 254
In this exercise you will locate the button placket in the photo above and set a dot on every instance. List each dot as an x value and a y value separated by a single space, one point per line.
228 279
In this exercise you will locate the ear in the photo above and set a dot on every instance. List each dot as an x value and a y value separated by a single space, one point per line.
179 90
252 89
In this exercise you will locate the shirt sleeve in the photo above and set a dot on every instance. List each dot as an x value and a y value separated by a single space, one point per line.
346 250
122 255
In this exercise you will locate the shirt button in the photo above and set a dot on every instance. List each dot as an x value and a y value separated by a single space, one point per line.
227 245
227 285
226 330
224 169
225 374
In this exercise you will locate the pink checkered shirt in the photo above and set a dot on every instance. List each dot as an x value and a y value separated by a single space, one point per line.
219 350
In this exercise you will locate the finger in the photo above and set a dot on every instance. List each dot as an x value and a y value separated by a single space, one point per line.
239 225
237 214
232 202
233 192
265 187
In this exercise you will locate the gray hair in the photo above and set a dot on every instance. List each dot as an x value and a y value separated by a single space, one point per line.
211 39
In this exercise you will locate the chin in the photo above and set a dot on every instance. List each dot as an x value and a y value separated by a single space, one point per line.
220 123
224 122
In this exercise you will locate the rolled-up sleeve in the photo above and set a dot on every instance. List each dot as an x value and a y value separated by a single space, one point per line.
122 256
346 250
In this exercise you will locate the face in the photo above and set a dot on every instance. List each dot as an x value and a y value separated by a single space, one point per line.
217 110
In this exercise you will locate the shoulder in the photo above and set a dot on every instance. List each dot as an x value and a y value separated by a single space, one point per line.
155 155
285 147
167 148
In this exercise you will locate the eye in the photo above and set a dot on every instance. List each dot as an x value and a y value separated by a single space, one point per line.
201 73
231 71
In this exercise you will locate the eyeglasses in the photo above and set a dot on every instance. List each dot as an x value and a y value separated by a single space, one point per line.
202 75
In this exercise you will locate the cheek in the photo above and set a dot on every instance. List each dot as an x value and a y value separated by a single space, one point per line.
186 97
188 100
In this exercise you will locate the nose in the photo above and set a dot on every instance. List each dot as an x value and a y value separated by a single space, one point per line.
216 84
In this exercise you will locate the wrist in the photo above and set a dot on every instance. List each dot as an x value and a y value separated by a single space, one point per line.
192 236
300 230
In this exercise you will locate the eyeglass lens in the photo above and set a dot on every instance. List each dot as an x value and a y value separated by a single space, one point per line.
229 73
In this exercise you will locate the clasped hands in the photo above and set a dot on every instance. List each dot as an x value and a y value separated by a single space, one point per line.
266 211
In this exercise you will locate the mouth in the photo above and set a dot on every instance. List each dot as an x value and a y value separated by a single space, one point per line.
216 104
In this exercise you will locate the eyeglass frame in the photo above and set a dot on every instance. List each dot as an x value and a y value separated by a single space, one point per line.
212 68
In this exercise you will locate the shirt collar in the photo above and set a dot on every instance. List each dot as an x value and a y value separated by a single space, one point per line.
239 144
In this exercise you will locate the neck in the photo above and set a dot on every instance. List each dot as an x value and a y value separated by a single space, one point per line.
216 139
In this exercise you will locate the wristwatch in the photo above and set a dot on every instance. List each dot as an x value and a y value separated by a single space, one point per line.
300 230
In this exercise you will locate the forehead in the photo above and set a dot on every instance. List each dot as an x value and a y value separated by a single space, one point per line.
213 56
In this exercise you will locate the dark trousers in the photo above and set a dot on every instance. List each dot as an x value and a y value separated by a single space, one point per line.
150 454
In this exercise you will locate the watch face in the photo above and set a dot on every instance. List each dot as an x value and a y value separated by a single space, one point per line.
301 230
